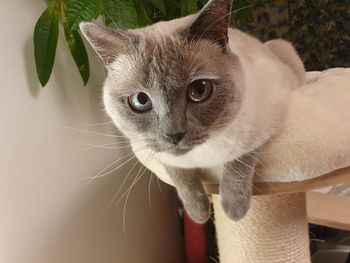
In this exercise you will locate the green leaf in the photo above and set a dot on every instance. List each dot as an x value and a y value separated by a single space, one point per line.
188 7
45 42
82 10
121 13
172 9
144 12
78 51
160 5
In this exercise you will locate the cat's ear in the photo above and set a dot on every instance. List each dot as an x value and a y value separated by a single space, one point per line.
212 22
107 42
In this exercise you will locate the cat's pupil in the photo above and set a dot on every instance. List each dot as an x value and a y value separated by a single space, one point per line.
199 90
140 102
142 98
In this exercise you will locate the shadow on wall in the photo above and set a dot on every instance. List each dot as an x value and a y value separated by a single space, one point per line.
31 77
88 234
62 72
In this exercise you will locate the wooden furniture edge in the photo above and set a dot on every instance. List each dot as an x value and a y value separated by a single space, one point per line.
266 188
328 210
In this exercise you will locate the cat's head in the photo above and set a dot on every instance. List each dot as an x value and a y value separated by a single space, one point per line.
173 85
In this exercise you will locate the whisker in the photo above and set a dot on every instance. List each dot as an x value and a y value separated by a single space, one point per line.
93 132
98 124
114 169
137 178
227 15
127 198
120 187
240 179
126 194
149 190
159 185
101 174
111 164
101 146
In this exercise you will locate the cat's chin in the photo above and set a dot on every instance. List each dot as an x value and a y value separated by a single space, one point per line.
178 151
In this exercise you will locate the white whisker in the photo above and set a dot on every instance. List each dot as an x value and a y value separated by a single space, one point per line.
136 179
102 174
127 198
114 169
102 146
120 187
93 132
159 185
149 190
98 124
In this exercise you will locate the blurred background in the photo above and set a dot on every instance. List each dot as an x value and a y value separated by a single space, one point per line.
51 210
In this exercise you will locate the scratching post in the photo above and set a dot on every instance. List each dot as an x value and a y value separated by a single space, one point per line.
274 230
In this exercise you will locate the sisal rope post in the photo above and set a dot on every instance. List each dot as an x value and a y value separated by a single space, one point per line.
275 230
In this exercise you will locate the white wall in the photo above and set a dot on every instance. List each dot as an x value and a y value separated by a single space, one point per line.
48 210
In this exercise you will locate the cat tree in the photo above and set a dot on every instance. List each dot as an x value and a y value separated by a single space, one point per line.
312 151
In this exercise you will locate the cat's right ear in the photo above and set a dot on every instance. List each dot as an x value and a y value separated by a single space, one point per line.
212 22
107 42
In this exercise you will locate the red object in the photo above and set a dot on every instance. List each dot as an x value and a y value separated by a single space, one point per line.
195 241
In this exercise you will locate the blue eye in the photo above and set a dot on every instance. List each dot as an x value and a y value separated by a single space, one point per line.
140 102
199 90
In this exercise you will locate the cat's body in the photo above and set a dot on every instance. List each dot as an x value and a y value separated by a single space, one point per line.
252 83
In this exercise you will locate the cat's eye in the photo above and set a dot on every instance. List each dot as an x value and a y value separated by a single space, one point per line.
199 90
140 102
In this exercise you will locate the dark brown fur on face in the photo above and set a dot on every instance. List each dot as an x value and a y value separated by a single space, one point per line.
164 69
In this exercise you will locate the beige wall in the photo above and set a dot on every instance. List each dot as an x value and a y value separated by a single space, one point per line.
48 211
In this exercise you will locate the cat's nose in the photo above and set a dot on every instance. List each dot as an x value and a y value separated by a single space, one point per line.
174 138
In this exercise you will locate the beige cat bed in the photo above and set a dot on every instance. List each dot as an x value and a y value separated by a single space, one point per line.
312 151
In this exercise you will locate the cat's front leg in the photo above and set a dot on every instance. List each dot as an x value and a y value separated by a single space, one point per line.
191 193
236 186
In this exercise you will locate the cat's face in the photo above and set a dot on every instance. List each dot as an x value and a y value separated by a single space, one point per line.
172 93
171 90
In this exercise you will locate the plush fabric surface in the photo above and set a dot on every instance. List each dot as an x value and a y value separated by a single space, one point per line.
316 136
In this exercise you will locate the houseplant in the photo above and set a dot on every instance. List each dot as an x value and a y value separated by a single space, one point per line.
318 28
114 13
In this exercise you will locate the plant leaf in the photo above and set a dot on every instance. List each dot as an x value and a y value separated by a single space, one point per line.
82 10
45 41
160 5
78 51
144 12
188 7
121 13
172 9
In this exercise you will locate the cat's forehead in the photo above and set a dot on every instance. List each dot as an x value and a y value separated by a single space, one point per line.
168 62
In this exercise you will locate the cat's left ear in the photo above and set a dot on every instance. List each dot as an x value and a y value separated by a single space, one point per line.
212 22
107 42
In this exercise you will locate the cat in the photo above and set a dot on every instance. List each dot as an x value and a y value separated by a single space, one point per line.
197 97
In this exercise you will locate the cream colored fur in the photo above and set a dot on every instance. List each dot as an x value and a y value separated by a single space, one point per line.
315 139
270 77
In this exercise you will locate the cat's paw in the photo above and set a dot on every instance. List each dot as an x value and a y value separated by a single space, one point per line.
235 209
198 210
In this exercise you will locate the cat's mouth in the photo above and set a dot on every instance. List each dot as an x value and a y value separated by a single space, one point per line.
172 149
179 151
180 148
